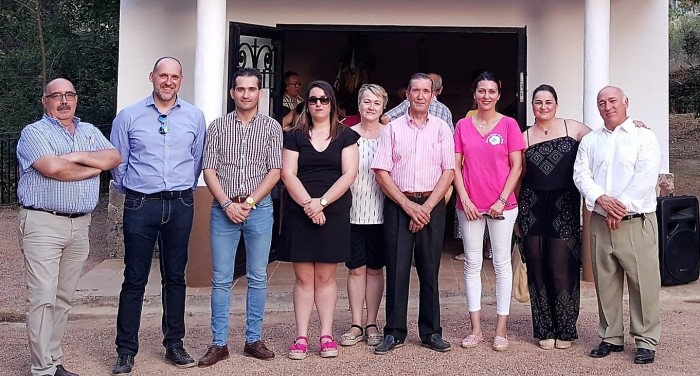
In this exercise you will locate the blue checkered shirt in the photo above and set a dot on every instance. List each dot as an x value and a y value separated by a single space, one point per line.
48 137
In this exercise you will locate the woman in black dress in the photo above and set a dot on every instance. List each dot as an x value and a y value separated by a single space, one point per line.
319 164
550 221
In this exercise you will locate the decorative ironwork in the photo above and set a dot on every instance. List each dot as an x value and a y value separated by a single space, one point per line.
251 53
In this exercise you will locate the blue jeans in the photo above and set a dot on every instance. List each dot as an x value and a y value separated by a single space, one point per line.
146 221
257 235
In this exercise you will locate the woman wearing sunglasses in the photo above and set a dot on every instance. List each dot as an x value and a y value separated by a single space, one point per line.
319 163
550 221
488 151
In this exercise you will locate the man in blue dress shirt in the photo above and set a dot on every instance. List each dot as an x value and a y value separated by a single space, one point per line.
60 161
160 139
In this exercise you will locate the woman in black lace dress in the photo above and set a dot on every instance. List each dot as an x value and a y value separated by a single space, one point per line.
550 221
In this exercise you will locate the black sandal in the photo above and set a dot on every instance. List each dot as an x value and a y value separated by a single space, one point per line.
349 338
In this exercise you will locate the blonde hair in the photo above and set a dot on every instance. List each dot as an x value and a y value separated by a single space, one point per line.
375 89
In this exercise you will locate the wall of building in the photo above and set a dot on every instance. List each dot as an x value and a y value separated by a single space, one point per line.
639 45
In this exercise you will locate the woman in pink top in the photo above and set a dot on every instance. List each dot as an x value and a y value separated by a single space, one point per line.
488 149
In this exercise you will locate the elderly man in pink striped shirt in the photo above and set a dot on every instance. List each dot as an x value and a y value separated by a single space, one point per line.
414 166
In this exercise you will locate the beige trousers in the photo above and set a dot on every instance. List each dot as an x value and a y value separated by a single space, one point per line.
55 249
632 250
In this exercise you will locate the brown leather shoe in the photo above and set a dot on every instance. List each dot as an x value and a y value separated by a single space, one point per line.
60 371
258 350
214 355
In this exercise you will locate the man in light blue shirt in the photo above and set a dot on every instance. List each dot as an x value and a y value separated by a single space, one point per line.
161 140
60 160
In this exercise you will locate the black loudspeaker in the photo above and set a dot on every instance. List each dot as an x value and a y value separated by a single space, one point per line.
679 240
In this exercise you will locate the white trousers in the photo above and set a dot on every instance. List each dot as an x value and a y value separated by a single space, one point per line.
501 234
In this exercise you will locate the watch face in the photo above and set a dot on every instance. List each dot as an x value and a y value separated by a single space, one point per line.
324 202
249 201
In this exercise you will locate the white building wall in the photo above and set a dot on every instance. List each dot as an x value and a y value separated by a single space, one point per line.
639 45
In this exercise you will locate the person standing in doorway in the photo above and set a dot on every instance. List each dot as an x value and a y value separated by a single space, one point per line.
414 165
60 160
160 139
292 87
242 163
616 169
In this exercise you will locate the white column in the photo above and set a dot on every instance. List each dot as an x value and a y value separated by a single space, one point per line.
596 57
209 60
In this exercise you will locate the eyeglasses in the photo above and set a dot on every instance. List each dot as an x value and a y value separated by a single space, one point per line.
295 84
324 100
70 96
163 120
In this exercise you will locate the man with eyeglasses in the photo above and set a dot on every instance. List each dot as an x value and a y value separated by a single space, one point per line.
60 160
161 140
242 163
292 87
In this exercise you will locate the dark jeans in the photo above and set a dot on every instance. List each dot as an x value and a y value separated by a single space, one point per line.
146 221
401 246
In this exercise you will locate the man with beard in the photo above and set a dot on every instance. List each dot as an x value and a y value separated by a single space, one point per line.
60 161
161 139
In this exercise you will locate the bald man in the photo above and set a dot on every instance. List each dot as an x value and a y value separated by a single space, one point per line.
616 170
160 139
60 161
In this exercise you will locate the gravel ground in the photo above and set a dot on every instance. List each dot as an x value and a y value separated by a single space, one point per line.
89 348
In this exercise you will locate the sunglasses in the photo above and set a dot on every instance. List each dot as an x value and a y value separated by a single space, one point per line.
314 100
163 120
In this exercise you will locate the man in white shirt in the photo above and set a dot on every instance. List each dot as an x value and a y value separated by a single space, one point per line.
616 170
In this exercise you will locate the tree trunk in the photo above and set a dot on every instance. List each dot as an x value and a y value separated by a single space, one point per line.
42 46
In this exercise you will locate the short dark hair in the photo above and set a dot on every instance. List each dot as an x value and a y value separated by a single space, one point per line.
287 75
246 72
545 87
419 76
486 76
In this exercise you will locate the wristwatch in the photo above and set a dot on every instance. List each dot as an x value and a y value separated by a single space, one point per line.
250 201
324 202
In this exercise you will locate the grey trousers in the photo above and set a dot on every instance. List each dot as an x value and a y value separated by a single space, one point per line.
55 249
631 251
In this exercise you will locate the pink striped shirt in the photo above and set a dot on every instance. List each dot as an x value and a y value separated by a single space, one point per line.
415 156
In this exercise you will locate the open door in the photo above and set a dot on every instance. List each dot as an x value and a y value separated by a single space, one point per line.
522 78
260 47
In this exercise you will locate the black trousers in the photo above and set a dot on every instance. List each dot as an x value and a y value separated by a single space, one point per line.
401 244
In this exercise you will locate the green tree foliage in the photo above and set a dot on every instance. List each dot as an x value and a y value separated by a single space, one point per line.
44 39
684 51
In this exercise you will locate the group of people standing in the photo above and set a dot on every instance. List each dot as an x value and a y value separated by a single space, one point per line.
371 196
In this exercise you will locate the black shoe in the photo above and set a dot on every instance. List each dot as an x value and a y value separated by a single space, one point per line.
437 343
644 356
604 349
61 371
388 345
179 357
125 362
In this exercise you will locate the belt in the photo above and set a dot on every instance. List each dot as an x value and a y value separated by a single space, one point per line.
630 216
164 195
417 194
67 215
239 199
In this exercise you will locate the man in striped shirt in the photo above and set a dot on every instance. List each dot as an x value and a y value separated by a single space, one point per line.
414 165
242 163
60 159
